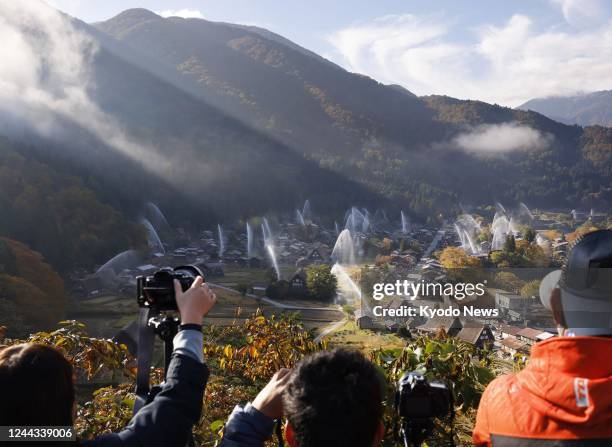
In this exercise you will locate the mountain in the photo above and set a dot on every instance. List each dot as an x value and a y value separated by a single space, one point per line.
586 109
381 136
299 97
310 105
552 169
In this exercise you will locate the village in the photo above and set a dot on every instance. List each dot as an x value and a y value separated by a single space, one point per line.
254 260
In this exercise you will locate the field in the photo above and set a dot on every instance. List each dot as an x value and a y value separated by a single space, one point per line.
350 336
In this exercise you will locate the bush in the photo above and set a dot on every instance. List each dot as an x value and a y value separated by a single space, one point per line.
243 357
348 309
278 290
439 358
242 288
321 283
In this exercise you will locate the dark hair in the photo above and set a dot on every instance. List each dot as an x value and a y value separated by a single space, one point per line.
334 398
36 386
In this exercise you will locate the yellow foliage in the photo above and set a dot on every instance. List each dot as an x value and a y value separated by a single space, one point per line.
456 257
580 231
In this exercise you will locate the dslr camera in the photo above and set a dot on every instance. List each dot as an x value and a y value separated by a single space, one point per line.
157 291
418 402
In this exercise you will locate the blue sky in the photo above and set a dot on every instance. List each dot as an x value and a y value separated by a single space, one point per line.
494 50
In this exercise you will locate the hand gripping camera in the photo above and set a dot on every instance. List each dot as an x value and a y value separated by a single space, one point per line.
417 403
157 291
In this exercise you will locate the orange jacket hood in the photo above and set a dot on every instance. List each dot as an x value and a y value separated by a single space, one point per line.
570 379
565 392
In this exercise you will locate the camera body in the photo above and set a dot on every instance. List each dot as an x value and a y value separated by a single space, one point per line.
157 291
418 399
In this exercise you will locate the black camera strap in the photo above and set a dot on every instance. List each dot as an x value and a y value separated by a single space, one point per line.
146 337
279 432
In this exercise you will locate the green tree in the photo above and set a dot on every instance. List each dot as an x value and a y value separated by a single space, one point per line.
321 283
510 244
530 235
278 290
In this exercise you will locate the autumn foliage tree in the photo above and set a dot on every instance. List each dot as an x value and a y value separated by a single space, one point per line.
456 258
35 290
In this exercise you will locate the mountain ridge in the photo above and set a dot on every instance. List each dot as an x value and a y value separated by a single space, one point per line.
585 109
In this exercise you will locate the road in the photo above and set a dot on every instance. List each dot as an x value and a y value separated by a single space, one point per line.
329 329
325 314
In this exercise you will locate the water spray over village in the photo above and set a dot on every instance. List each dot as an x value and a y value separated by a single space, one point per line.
269 260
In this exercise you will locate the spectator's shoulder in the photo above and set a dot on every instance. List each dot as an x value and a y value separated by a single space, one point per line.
497 391
187 368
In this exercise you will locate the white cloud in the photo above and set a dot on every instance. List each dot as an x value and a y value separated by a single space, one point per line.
44 78
184 13
497 139
507 64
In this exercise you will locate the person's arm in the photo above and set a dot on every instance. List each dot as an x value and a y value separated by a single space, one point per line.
168 420
252 425
247 427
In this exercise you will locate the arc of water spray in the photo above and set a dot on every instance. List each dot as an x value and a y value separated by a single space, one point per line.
249 232
269 244
221 241
153 238
405 223
300 218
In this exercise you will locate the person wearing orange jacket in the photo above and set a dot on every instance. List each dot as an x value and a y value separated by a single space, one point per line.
563 397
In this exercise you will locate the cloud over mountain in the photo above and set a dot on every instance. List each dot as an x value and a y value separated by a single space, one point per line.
496 139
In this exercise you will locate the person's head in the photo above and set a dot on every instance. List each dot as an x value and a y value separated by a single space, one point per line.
334 398
36 386
580 295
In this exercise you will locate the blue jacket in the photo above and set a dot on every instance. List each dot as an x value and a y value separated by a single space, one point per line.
247 427
168 420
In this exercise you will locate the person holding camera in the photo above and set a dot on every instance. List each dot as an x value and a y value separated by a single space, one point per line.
564 395
331 398
37 384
